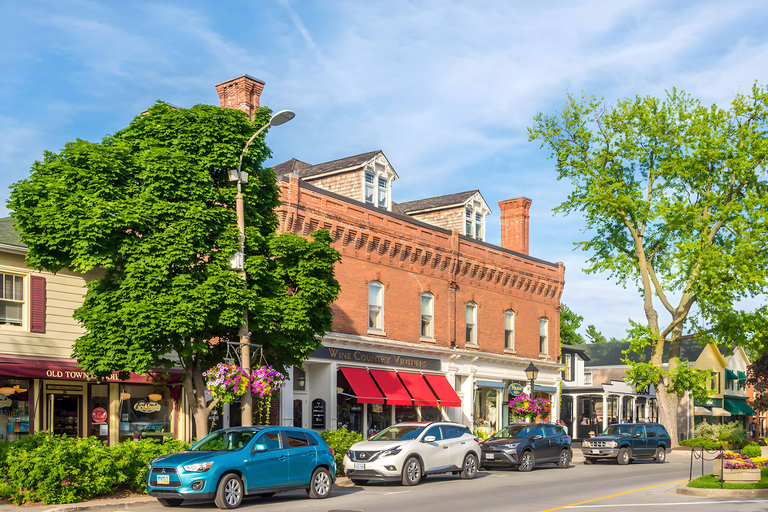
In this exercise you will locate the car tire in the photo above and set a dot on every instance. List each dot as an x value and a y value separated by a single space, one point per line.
527 461
589 461
623 458
469 470
170 502
320 485
563 460
229 492
358 482
661 455
412 474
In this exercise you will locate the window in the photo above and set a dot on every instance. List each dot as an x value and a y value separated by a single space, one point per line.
434 431
471 323
474 220
469 213
568 372
427 313
375 306
368 187
383 192
509 330
11 299
271 440
297 440
588 378
543 335
377 184
650 431
640 432
478 226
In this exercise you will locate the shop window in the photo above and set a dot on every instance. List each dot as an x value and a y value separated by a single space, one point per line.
11 300
406 413
98 413
486 410
427 313
430 414
14 409
145 408
543 336
349 413
471 337
509 330
379 418
375 306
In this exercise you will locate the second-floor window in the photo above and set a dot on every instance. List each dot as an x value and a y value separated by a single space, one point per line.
382 192
509 330
377 185
588 378
543 335
471 323
567 374
427 314
375 306
469 212
11 299
369 186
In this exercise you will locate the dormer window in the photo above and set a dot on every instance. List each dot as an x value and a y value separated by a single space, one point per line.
474 216
377 186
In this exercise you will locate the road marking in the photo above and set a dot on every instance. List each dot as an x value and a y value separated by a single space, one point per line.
613 495
669 504
395 492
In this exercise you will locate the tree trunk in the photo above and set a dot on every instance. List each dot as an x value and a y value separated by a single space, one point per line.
193 380
668 401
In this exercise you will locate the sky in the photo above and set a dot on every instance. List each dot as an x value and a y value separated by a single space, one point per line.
445 89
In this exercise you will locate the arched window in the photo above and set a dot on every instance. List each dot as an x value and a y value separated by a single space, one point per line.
543 335
427 315
509 330
471 323
375 306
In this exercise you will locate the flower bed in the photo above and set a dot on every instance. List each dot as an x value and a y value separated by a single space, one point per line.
712 482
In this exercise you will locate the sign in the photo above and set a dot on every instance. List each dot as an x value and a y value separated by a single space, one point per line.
5 401
318 413
709 402
62 387
515 389
99 415
359 356
25 369
146 406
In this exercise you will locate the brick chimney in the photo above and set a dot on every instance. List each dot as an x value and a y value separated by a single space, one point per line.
241 92
514 224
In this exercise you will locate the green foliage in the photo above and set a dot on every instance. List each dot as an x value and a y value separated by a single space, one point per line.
684 377
729 433
711 482
596 336
132 459
752 451
340 441
569 324
707 443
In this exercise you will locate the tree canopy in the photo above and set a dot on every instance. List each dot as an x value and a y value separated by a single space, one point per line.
153 208
596 336
675 200
570 322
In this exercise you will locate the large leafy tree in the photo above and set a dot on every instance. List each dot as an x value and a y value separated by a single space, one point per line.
596 336
569 325
758 377
152 207
675 200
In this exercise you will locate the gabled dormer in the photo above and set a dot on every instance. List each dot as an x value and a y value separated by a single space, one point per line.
464 212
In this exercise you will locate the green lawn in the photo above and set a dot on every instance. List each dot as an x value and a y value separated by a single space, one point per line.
710 482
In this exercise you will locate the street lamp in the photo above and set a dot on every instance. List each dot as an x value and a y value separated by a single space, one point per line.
246 404
531 372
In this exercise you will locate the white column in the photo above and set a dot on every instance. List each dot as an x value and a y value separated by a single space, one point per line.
575 409
634 409
605 411
621 408
645 408
286 400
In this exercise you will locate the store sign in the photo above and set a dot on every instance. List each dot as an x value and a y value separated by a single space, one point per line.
5 401
99 415
359 356
709 402
146 406
515 389
318 413
62 387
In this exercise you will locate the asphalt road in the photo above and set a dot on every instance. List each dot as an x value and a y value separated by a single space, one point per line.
639 486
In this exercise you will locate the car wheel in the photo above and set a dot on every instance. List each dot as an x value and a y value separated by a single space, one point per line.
562 462
526 461
623 457
411 471
229 493
589 460
470 467
320 484
661 455
359 482
170 502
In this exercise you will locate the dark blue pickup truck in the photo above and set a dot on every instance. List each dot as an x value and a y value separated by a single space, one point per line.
627 441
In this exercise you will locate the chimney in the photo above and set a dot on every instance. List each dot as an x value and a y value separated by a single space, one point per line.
241 92
514 224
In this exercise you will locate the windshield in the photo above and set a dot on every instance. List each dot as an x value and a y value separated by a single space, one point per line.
515 431
618 430
399 433
224 440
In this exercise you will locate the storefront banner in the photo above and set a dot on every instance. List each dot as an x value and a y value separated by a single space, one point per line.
38 371
359 356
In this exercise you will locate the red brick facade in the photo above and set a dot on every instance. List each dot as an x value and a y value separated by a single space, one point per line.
242 92
514 224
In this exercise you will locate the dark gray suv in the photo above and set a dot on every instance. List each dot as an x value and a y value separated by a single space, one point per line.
524 445
626 441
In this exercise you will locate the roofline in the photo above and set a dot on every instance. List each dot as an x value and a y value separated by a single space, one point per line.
241 76
447 206
17 249
347 169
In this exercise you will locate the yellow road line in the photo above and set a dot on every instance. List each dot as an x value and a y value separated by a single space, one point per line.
614 495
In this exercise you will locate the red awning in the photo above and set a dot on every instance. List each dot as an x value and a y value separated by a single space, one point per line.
418 389
363 386
392 387
443 390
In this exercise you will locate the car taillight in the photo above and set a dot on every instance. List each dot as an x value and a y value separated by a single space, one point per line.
477 439
332 452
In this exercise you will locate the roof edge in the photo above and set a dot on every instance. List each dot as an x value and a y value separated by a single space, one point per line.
241 76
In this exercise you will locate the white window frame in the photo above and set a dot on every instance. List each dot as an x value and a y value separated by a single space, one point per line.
24 299
544 338
376 308
587 378
473 334
472 209
509 344
429 333
378 169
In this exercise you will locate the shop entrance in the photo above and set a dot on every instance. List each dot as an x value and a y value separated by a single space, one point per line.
64 412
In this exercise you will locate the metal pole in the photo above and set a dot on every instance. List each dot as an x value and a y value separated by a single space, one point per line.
534 419
722 467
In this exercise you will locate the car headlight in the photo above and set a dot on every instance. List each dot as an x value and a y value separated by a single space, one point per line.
611 444
349 454
199 467
510 446
391 451
585 444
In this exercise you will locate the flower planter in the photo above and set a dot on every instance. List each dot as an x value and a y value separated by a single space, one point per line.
736 475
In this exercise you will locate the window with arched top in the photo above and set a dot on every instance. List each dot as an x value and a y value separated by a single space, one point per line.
427 315
471 323
509 329
375 306
543 335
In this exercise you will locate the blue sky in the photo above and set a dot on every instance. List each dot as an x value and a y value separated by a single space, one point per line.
445 89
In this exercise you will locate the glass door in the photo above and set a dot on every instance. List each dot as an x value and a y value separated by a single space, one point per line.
64 412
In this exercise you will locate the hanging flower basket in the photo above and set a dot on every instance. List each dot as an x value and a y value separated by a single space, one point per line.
265 380
524 406
227 382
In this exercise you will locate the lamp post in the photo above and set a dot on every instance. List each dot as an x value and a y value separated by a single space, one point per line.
246 404
532 372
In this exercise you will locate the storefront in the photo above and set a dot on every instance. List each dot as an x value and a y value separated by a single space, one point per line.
14 408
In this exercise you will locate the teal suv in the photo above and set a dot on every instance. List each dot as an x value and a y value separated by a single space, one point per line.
626 441
229 464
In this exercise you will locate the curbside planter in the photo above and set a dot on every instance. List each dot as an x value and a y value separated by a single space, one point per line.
721 493
744 476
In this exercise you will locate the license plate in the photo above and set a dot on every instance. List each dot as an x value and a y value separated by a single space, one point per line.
595 451
488 455
163 479
359 467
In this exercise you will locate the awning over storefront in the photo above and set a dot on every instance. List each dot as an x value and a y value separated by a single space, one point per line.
489 384
718 411
363 386
419 389
729 375
392 388
444 391
546 389
738 407
67 369
701 411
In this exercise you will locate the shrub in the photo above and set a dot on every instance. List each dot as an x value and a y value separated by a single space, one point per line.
132 459
699 442
732 433
752 451
340 441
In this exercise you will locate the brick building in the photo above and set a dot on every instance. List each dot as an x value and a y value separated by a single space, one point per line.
431 321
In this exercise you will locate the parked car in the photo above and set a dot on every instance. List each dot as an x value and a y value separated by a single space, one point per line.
626 441
525 445
231 463
408 452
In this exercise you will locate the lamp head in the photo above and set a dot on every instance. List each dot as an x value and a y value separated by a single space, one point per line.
531 372
281 117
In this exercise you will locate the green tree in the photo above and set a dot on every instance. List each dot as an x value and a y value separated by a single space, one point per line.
152 211
596 336
758 377
675 200
569 324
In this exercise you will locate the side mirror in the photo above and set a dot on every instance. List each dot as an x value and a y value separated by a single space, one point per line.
538 436
259 448
428 439
638 434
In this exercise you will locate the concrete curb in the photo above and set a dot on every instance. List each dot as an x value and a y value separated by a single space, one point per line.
721 493
120 504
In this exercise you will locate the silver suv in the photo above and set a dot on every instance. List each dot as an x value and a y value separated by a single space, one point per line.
408 452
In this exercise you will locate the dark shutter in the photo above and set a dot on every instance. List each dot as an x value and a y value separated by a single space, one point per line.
37 303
